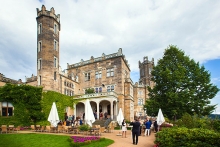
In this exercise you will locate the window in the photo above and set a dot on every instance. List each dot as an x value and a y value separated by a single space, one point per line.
39 80
110 72
55 62
110 88
140 92
87 76
39 46
55 28
7 109
39 28
100 89
98 74
55 75
55 45
150 69
140 102
39 64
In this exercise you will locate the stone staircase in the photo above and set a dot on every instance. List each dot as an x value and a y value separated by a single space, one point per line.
99 122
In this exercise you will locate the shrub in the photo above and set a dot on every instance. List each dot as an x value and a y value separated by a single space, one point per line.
182 136
84 127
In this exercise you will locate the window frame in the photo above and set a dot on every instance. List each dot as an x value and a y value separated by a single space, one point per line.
9 106
39 28
39 64
87 76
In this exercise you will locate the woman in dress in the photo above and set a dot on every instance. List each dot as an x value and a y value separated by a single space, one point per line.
124 128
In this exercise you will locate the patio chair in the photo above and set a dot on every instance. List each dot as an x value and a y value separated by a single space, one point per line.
42 129
4 129
38 128
33 128
97 130
10 128
47 129
18 128
60 129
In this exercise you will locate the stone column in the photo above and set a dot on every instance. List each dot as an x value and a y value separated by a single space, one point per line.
97 103
111 110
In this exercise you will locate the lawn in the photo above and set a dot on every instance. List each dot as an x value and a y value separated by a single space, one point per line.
41 140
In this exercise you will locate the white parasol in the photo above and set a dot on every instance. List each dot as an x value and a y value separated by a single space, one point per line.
120 118
160 118
89 116
53 116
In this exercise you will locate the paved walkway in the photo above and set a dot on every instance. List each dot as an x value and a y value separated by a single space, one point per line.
143 141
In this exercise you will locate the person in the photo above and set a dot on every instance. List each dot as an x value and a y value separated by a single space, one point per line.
101 115
147 130
124 128
80 122
105 114
83 115
155 126
135 130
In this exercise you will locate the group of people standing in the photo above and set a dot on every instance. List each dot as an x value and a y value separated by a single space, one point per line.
137 127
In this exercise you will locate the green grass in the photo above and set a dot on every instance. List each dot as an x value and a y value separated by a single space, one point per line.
42 140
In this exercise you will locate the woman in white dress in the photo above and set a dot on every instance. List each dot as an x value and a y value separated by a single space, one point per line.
124 128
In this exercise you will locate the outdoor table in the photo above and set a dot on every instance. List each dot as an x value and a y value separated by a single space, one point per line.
91 130
11 128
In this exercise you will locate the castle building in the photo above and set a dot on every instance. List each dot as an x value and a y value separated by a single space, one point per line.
108 75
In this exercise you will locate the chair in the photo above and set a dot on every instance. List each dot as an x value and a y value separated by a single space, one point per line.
97 130
4 129
60 129
102 129
33 128
42 129
76 130
10 128
65 128
47 129
38 128
18 128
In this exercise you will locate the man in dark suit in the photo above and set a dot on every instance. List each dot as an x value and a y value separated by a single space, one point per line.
135 130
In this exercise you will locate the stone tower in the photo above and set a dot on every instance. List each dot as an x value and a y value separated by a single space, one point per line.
48 28
145 71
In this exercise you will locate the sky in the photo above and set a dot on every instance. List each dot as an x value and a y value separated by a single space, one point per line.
90 28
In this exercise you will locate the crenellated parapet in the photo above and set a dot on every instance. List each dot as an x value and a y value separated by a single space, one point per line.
146 61
103 57
8 80
50 13
31 79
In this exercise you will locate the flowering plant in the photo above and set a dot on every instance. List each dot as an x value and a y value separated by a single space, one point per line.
79 140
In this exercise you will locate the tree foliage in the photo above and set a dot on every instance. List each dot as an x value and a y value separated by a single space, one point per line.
182 86
89 90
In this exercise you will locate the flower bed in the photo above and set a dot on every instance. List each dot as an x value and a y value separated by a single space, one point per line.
81 140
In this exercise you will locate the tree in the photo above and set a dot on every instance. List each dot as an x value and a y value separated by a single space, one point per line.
181 86
89 90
